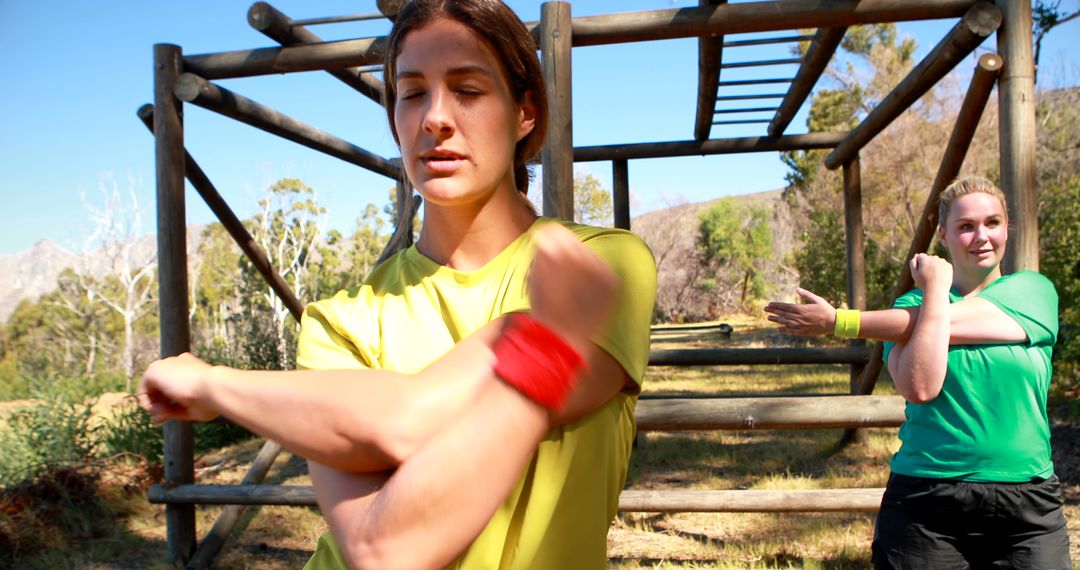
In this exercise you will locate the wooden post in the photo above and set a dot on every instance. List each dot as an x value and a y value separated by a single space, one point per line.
1016 127
856 269
173 284
710 56
817 57
279 27
976 25
620 180
702 148
193 89
558 153
959 141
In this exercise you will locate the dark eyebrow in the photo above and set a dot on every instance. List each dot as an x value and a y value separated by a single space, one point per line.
460 70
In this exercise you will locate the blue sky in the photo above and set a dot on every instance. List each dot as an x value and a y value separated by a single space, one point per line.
75 72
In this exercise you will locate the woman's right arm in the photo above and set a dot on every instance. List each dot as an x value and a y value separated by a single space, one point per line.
971 321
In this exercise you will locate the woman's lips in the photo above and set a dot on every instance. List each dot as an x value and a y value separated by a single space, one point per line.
442 165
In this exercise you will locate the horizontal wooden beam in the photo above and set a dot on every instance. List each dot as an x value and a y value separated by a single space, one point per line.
817 57
782 412
631 500
766 81
977 24
709 147
270 61
277 26
197 90
756 17
750 501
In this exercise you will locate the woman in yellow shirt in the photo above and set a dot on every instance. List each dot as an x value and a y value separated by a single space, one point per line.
451 466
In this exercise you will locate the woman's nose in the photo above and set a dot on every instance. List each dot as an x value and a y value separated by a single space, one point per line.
438 117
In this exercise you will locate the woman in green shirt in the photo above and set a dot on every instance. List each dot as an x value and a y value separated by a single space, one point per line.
973 484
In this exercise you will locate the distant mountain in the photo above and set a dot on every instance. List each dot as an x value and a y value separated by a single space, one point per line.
32 273
29 274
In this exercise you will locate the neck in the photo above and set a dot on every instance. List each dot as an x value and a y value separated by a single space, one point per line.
971 284
466 237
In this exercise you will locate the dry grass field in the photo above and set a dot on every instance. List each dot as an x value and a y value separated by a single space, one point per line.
279 537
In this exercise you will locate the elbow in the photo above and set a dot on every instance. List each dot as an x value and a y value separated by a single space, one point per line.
374 553
920 393
920 397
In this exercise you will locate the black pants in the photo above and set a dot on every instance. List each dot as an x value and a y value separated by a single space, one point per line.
945 524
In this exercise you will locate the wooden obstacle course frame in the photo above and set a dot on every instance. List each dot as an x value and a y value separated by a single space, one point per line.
712 22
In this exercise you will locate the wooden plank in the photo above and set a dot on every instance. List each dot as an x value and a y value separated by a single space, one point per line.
761 63
750 501
287 32
737 356
271 61
197 90
1016 132
709 147
976 25
173 284
557 156
817 57
784 412
967 121
631 500
232 224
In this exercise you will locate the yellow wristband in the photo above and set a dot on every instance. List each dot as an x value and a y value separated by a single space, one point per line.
847 323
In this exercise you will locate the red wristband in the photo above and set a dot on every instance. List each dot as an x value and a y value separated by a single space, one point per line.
536 361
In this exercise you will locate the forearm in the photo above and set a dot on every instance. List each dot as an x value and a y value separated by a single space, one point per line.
921 362
449 488
971 321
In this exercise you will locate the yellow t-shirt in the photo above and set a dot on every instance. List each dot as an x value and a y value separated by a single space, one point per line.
412 310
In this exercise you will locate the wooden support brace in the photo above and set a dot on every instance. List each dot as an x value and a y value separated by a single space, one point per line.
817 57
279 27
197 90
967 121
232 224
710 58
977 24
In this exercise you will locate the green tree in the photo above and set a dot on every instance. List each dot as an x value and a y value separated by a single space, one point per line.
592 202
736 237
289 229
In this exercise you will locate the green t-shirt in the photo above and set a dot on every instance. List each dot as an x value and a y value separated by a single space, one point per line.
412 310
989 421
